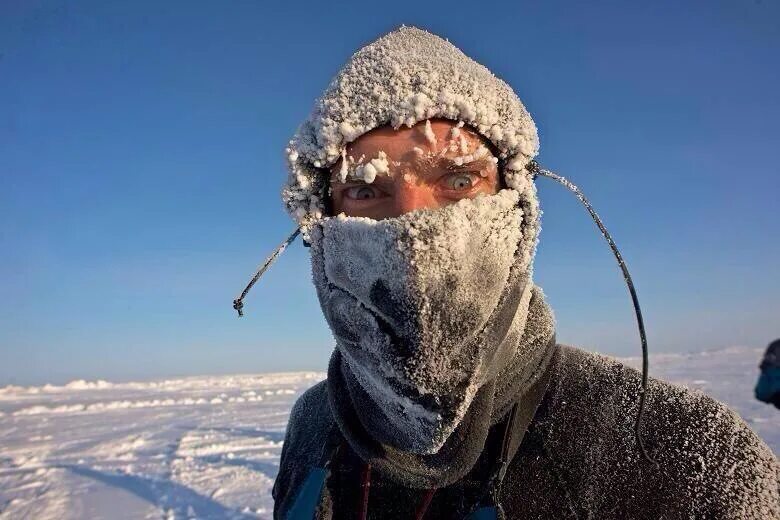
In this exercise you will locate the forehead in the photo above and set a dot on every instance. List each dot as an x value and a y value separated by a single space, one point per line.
399 143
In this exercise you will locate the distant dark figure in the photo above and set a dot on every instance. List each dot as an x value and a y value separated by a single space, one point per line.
768 386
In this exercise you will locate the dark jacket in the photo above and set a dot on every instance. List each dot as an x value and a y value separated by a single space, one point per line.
578 458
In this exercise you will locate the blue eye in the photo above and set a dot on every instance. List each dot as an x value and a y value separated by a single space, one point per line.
459 182
361 193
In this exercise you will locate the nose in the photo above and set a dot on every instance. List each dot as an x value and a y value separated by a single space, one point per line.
409 197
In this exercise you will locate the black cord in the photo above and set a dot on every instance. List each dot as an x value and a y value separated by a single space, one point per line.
238 303
536 170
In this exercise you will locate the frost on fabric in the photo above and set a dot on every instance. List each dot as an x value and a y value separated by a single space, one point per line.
405 77
406 298
710 464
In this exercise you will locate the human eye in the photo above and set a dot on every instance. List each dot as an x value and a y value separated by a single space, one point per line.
460 181
362 192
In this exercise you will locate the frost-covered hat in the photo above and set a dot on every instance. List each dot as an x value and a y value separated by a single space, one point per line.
405 77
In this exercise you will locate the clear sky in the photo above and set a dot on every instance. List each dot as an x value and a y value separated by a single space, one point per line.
141 161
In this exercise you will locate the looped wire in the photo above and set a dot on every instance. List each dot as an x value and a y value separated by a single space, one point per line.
535 170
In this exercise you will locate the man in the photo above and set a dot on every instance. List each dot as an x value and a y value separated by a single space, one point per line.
447 395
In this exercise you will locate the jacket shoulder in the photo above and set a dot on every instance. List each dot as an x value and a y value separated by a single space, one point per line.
307 431
710 463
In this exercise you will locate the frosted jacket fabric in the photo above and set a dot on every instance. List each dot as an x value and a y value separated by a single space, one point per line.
578 458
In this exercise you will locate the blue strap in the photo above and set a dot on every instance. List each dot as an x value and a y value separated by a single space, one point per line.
309 496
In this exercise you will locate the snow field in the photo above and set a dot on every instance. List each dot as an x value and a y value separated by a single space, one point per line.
209 447
205 447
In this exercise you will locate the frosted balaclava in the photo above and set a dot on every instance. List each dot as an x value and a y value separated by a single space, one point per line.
438 325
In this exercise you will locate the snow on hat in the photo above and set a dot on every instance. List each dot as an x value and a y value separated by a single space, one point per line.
405 77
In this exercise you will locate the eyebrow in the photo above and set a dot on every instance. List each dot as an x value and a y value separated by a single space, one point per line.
426 164
478 164
378 181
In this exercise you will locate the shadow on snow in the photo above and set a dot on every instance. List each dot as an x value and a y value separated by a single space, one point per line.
163 493
273 436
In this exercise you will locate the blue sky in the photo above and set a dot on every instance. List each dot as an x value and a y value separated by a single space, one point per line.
141 160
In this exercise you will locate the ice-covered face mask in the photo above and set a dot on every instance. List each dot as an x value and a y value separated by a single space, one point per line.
424 307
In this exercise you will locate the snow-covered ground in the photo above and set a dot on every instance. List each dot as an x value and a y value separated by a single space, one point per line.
208 447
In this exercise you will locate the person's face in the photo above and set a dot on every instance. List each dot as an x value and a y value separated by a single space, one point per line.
391 172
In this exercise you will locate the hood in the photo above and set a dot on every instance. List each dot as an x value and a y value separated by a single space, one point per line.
405 77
